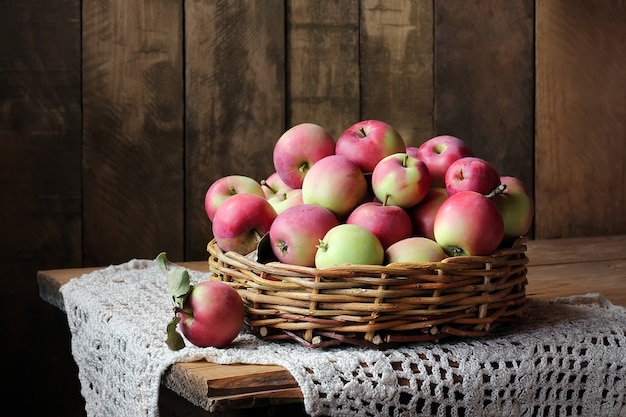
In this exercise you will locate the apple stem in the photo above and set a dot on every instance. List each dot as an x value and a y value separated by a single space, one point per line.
362 132
282 247
265 184
323 246
405 160
496 192
303 167
386 199
456 251
232 190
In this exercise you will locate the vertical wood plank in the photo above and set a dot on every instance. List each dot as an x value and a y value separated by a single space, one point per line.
323 63
484 75
40 212
235 99
133 130
397 66
581 118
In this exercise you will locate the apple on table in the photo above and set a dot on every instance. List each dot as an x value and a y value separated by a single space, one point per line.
209 313
367 142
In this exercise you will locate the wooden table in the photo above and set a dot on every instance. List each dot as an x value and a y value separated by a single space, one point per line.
559 267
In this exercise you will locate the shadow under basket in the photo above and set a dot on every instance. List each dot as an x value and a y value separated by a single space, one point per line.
377 306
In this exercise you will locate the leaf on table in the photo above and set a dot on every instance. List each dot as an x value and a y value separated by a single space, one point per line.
178 281
174 339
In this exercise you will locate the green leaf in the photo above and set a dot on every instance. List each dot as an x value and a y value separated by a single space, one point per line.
174 339
177 279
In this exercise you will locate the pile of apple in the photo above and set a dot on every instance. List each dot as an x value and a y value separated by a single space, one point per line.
368 198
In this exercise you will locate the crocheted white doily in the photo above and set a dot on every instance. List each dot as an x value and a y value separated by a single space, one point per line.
568 357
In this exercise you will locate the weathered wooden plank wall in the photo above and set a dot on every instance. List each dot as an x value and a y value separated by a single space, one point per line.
40 214
116 116
581 118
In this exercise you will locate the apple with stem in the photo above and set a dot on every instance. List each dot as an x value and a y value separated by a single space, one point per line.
241 222
273 185
335 182
367 142
226 187
209 313
423 214
471 174
349 244
516 206
388 223
439 152
286 199
298 149
414 249
400 180
295 233
468 223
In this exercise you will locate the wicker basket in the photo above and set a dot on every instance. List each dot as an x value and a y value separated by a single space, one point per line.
377 306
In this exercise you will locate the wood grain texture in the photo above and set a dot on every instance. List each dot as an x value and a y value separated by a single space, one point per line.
235 99
396 66
484 80
133 130
323 83
40 212
581 118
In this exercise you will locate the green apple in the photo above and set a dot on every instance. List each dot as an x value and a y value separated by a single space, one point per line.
516 206
349 244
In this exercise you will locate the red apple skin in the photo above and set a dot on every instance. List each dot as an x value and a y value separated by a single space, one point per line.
241 221
337 183
367 142
286 199
516 206
471 174
226 187
388 223
414 249
439 152
273 185
212 315
468 223
298 149
295 233
413 151
423 214
400 180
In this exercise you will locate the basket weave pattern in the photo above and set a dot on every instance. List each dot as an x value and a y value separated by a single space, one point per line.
377 306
